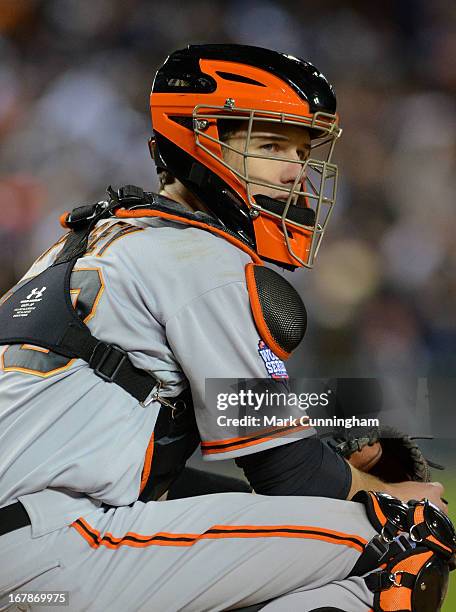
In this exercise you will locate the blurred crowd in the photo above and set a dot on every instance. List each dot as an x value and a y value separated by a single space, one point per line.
74 82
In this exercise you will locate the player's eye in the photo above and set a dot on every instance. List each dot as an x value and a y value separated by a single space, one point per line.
271 147
303 154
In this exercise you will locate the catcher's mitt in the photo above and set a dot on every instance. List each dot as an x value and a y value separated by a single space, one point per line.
383 452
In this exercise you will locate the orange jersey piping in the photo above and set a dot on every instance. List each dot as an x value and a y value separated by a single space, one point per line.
128 214
258 314
225 446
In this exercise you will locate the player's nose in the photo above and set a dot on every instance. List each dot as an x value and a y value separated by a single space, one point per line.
292 171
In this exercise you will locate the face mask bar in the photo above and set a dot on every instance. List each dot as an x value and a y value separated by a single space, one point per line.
316 180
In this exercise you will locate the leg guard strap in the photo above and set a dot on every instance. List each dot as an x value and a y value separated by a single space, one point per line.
415 581
387 514
429 526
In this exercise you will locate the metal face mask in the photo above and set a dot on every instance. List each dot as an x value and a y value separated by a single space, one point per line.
299 207
202 89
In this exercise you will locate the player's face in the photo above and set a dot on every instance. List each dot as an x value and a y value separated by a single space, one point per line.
268 140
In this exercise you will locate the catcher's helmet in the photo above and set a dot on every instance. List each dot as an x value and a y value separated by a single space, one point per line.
201 88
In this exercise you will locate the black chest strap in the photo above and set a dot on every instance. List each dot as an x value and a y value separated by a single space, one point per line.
51 322
40 313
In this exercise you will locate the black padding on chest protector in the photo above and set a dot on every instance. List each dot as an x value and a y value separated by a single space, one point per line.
39 311
283 310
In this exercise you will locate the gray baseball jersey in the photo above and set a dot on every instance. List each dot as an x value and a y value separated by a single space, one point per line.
175 298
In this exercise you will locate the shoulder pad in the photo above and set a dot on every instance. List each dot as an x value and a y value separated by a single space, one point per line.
279 313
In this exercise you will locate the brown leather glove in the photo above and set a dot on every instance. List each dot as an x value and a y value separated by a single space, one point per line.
383 452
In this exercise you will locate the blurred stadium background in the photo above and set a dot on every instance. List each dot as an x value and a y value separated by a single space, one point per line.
74 82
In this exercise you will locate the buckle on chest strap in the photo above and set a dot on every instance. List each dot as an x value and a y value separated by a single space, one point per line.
106 360
82 216
129 194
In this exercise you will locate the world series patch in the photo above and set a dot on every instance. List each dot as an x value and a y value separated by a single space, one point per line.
274 366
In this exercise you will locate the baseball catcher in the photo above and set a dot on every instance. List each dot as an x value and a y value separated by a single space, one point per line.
111 336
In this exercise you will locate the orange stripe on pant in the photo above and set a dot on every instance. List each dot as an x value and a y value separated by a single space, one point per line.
95 539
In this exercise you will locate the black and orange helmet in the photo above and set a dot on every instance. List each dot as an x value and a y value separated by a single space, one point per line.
201 88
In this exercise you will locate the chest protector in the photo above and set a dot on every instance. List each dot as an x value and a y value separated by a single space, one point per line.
39 312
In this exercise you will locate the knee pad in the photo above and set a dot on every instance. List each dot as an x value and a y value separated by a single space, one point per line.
416 581
415 550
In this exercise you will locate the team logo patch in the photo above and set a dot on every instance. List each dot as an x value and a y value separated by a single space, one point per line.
274 366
